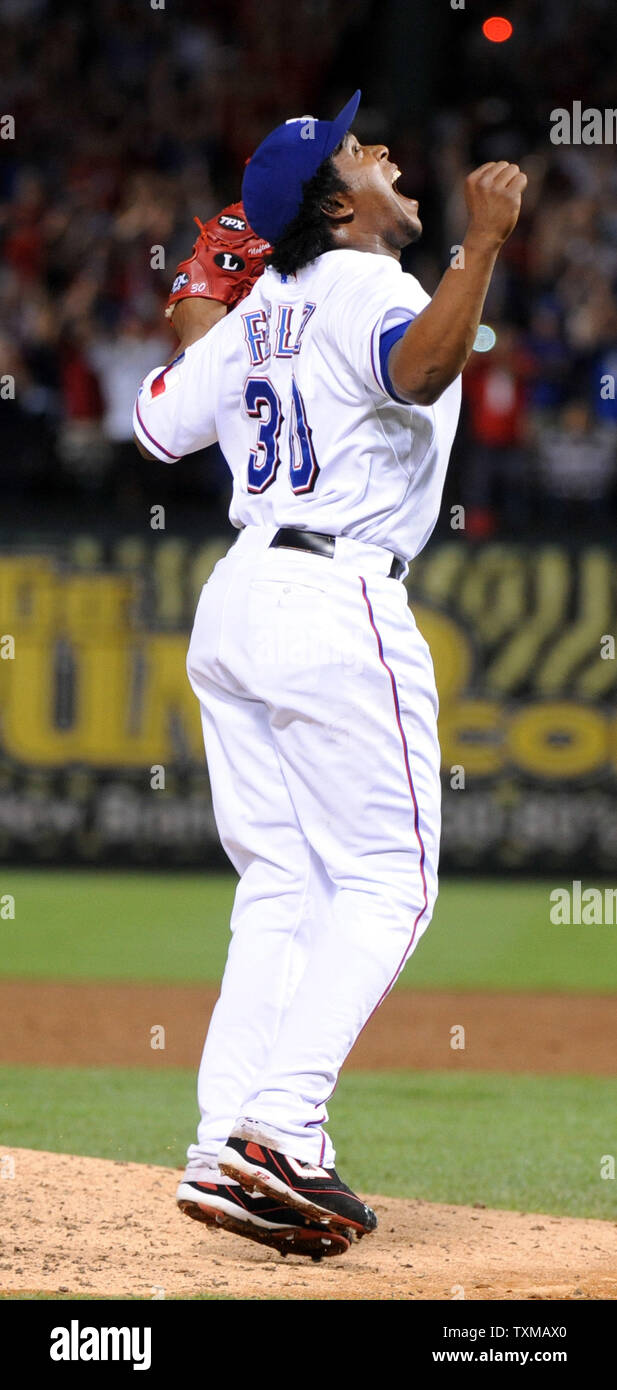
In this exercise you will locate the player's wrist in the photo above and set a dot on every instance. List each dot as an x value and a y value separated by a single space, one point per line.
203 301
482 239
195 317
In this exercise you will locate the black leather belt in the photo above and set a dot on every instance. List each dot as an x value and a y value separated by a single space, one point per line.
290 539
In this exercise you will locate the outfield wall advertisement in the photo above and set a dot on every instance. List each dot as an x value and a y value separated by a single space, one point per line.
100 737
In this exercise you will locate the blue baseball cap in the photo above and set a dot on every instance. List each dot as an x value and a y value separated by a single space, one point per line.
274 178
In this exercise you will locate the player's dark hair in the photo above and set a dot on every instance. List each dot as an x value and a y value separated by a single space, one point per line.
310 233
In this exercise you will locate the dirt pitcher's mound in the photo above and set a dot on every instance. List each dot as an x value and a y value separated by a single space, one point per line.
89 1226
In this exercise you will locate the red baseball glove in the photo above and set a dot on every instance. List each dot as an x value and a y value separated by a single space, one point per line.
227 259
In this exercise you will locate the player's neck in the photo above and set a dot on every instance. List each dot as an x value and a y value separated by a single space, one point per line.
358 240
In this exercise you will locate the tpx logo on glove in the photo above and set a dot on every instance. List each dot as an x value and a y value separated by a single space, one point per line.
235 222
227 260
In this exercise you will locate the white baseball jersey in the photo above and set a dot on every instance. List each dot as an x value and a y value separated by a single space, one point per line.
294 386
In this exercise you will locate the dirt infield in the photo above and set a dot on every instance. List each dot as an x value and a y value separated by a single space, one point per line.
90 1226
75 1024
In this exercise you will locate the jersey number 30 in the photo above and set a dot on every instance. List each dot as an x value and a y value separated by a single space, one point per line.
263 403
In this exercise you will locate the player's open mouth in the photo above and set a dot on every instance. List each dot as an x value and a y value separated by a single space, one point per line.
404 199
402 196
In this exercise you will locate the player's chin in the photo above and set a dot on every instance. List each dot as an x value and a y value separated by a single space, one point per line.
407 220
414 229
408 228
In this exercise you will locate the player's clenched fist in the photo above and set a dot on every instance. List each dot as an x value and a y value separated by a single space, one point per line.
493 195
227 259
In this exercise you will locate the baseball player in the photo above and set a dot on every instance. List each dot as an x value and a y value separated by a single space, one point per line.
333 388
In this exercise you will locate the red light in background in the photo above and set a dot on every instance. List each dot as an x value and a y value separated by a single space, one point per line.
497 29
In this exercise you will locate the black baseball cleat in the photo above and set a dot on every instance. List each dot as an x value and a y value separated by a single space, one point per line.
316 1193
263 1219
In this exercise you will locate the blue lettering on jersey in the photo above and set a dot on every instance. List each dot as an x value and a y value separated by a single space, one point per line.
261 396
307 313
285 346
256 334
283 332
263 403
303 472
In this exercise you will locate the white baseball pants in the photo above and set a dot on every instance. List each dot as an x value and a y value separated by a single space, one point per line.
319 710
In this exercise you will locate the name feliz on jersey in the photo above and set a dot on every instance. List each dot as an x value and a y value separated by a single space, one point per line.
287 341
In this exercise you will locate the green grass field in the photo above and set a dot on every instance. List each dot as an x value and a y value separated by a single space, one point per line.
532 1143
526 1142
138 926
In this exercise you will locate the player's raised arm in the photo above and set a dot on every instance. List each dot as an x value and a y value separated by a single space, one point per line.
194 317
437 344
226 260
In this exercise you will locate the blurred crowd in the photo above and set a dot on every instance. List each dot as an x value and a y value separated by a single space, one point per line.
538 441
130 118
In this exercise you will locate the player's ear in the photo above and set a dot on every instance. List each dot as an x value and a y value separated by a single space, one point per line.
338 207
